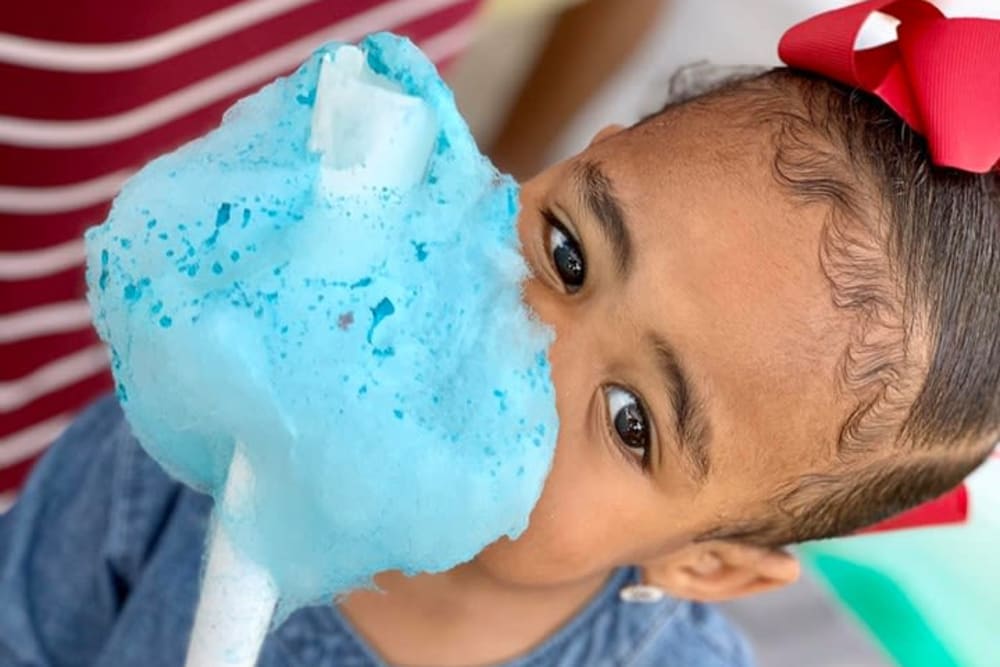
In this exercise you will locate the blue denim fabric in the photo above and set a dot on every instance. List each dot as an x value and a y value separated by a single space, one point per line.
99 565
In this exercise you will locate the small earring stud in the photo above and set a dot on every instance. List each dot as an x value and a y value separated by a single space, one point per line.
641 593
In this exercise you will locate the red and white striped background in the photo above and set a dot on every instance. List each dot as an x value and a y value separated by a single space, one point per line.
89 91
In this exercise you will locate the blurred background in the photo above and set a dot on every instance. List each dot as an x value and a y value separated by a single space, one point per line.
95 88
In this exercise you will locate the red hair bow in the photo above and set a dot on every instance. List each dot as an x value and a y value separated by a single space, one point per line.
941 75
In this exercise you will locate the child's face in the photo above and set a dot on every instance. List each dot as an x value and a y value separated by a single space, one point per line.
724 276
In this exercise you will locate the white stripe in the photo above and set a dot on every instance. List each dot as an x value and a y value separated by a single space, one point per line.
73 134
451 41
7 501
37 263
44 320
61 198
58 374
70 57
25 444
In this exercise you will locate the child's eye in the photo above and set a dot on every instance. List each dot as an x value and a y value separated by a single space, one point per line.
567 258
629 421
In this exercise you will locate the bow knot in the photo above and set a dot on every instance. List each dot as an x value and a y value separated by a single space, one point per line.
941 75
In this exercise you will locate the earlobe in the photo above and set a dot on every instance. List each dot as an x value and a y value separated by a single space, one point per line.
719 571
606 132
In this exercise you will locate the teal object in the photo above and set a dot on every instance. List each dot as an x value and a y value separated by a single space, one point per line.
930 596
281 284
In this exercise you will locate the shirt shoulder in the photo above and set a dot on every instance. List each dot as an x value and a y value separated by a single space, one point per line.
613 632
694 635
97 483
76 549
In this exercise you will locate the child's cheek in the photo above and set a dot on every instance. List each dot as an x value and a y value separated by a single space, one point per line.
573 533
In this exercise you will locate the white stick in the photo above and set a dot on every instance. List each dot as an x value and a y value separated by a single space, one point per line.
237 595
368 133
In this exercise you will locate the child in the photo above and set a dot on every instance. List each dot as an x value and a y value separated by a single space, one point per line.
776 321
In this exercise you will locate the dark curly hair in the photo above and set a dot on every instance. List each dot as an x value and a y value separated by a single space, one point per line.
912 253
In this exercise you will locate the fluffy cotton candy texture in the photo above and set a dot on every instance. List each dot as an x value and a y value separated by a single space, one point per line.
370 351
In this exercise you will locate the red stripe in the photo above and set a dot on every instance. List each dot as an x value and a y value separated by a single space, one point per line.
22 294
26 356
37 232
68 399
96 21
46 168
428 26
13 477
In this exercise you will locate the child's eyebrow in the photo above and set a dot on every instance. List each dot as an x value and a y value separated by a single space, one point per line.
690 417
694 433
599 197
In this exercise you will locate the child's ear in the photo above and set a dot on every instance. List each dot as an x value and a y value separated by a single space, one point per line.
605 132
719 571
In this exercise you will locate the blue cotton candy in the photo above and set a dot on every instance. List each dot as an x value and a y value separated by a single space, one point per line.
366 345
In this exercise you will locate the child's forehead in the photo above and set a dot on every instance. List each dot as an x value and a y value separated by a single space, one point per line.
701 160
724 135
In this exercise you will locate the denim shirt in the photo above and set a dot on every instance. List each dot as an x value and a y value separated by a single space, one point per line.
100 561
